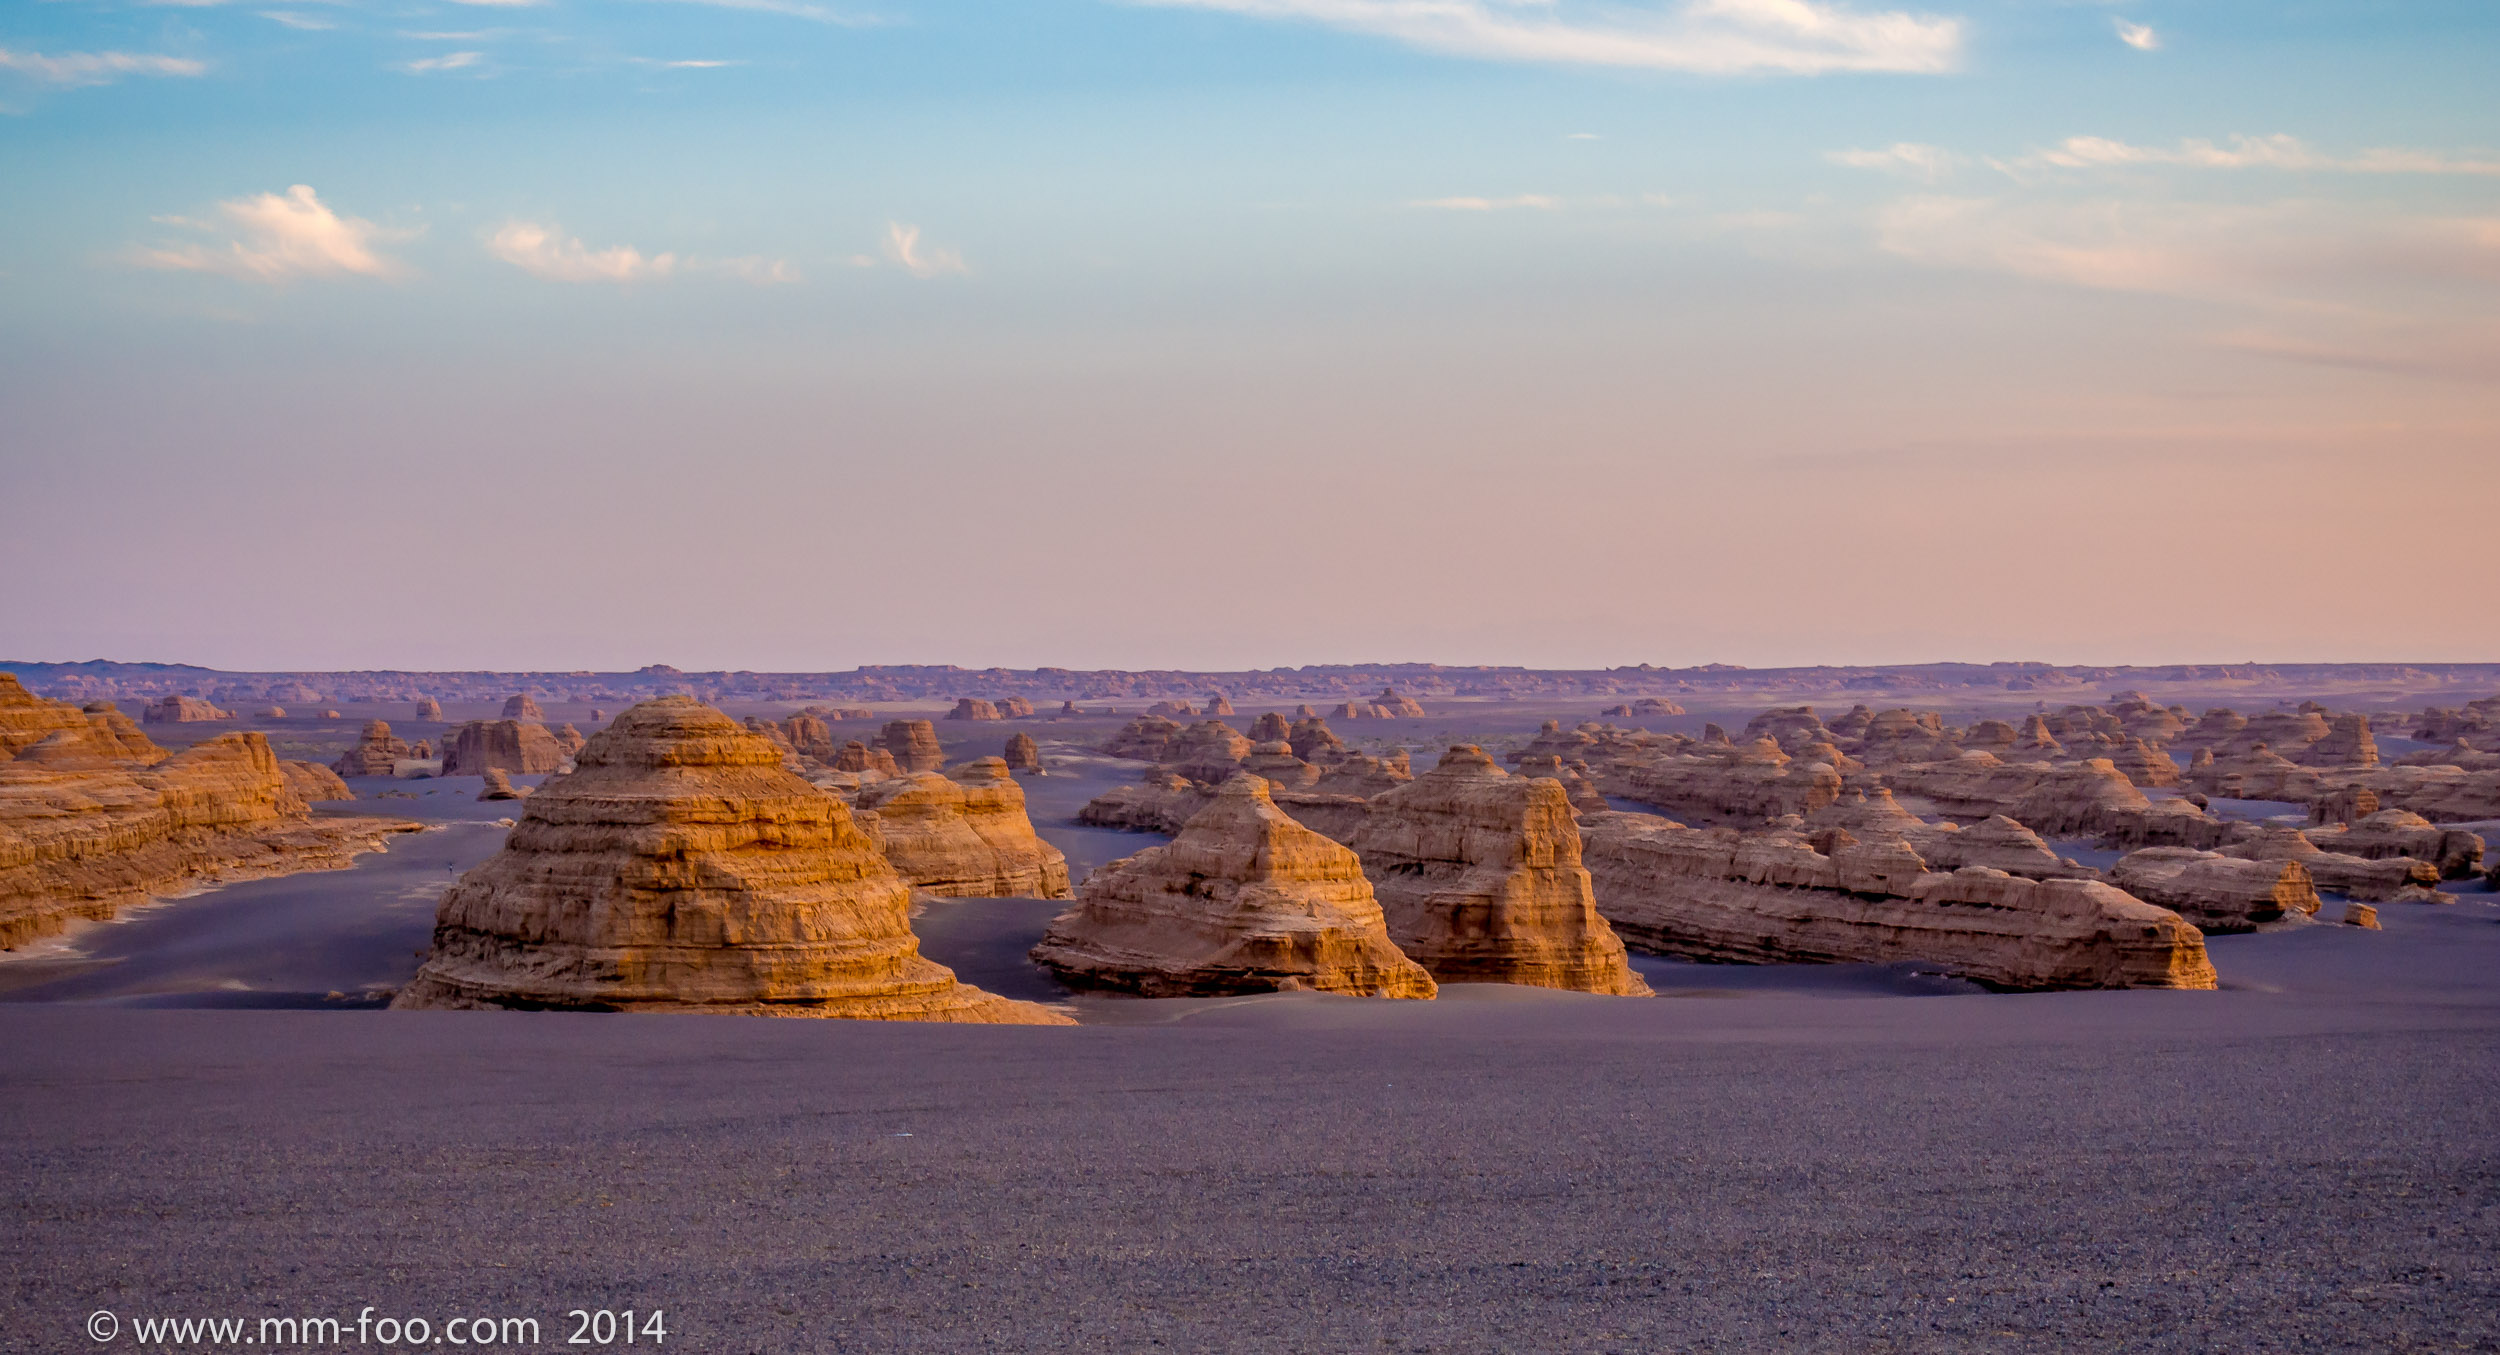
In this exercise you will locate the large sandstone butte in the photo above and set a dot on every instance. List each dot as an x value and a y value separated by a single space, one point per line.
1245 900
183 710
679 868
1772 897
2219 893
378 753
520 747
1479 873
93 816
964 835
523 706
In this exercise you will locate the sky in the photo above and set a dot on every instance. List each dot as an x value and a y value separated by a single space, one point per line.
805 334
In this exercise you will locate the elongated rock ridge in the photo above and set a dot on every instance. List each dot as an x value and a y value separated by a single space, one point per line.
678 867
1773 898
1245 900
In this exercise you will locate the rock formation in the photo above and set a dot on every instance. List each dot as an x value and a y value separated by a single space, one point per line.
1270 727
859 757
1244 900
1773 897
1751 783
85 830
1147 739
522 747
499 787
914 744
1314 741
679 868
1479 873
521 706
1024 755
313 783
377 753
964 835
183 710
1394 706
2218 893
2453 853
1160 802
2354 877
1207 751
1216 705
972 708
1014 708
2361 915
1274 762
1659 706
431 709
273 712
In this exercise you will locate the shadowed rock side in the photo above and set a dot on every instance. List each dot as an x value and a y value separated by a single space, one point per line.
1024 755
1479 874
519 747
84 832
1245 900
679 868
314 783
2218 893
963 835
427 708
1772 898
378 752
914 744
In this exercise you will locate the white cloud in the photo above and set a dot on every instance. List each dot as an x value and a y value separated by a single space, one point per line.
753 268
904 247
95 68
1910 158
1717 36
1536 201
2138 36
1580 136
2249 152
540 250
796 9
277 239
449 61
297 19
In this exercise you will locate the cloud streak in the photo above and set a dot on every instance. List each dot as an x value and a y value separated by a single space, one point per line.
275 238
95 68
2138 36
449 61
1532 201
2249 152
1799 37
906 250
542 252
1910 159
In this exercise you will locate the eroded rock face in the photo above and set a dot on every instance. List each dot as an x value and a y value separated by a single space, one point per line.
183 710
914 744
964 835
2453 853
520 747
1216 705
680 868
27 719
1390 704
859 757
1148 738
972 708
2218 893
1160 802
1014 708
378 752
1244 900
499 786
1772 897
1314 741
2354 877
1270 727
85 831
1024 755
522 706
314 783
431 709
569 739
1753 782
1209 750
1479 874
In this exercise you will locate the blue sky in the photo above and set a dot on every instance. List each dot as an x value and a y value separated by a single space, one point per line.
819 334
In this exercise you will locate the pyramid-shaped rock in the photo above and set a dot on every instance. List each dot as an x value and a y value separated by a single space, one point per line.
1479 873
1245 900
679 867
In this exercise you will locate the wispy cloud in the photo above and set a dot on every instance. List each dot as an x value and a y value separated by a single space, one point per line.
1908 158
1580 136
449 61
1534 201
94 68
2250 152
690 65
297 19
2138 36
1714 36
540 250
905 248
502 4
752 268
796 9
277 238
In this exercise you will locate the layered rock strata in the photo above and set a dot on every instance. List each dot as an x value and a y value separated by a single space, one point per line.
521 747
914 744
1773 898
680 868
962 835
1244 900
2218 893
378 752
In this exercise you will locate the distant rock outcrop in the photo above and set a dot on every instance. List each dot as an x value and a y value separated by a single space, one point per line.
314 783
1148 738
522 747
1024 755
679 868
963 835
2453 853
1216 705
1479 873
377 753
1244 900
1392 705
1209 750
1270 727
972 708
521 706
183 710
2218 893
2354 877
859 757
272 712
430 709
914 744
569 739
499 787
1774 897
